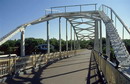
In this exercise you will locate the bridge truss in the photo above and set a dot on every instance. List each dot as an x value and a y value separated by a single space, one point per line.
86 25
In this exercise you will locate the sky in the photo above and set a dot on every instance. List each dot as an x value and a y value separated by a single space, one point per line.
16 12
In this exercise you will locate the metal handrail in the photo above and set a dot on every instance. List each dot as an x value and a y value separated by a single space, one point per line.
80 6
104 7
13 65
110 72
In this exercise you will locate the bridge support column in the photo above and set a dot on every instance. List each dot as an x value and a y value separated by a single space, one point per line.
100 25
96 41
71 35
60 36
107 46
48 41
74 45
67 38
77 44
22 43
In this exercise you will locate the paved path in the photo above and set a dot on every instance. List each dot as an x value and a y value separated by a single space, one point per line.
73 70
68 71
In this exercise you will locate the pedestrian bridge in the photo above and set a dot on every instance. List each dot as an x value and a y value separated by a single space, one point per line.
74 66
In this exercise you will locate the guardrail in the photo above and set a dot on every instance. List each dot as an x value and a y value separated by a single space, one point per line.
13 65
116 20
112 75
69 8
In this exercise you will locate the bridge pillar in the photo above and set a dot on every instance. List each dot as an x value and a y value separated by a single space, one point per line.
67 37
74 40
71 35
77 43
107 46
48 41
100 25
22 53
74 45
60 35
96 40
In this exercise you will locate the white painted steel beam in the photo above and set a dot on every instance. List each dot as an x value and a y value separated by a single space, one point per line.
22 43
48 41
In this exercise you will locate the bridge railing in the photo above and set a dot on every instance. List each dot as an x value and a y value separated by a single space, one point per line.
13 65
112 75
71 8
117 21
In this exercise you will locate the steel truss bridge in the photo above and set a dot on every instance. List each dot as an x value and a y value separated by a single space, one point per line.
86 25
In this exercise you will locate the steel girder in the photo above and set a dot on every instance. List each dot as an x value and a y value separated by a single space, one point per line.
84 24
69 15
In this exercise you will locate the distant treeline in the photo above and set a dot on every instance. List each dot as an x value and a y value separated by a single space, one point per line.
13 46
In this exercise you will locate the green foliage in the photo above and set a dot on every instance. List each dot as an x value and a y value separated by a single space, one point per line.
55 43
13 46
31 44
127 44
8 46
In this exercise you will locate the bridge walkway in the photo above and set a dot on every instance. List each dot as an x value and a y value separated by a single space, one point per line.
74 70
69 71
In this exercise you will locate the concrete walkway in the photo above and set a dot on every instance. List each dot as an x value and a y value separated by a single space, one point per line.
68 71
73 70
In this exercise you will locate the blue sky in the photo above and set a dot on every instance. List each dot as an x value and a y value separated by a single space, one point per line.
16 12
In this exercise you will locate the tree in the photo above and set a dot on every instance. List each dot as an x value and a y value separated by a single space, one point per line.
54 42
13 46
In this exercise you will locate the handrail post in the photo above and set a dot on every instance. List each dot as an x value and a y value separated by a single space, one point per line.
107 11
45 12
65 9
95 6
102 8
115 21
14 61
111 14
123 33
80 8
9 64
51 10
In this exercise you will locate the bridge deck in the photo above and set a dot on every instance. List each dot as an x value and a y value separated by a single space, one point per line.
69 71
73 70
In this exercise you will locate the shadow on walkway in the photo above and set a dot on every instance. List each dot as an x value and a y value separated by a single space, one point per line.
36 78
32 78
65 73
68 64
94 76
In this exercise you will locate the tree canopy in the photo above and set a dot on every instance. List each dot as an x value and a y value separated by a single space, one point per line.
13 46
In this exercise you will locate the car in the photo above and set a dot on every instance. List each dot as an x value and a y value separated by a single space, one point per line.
42 48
